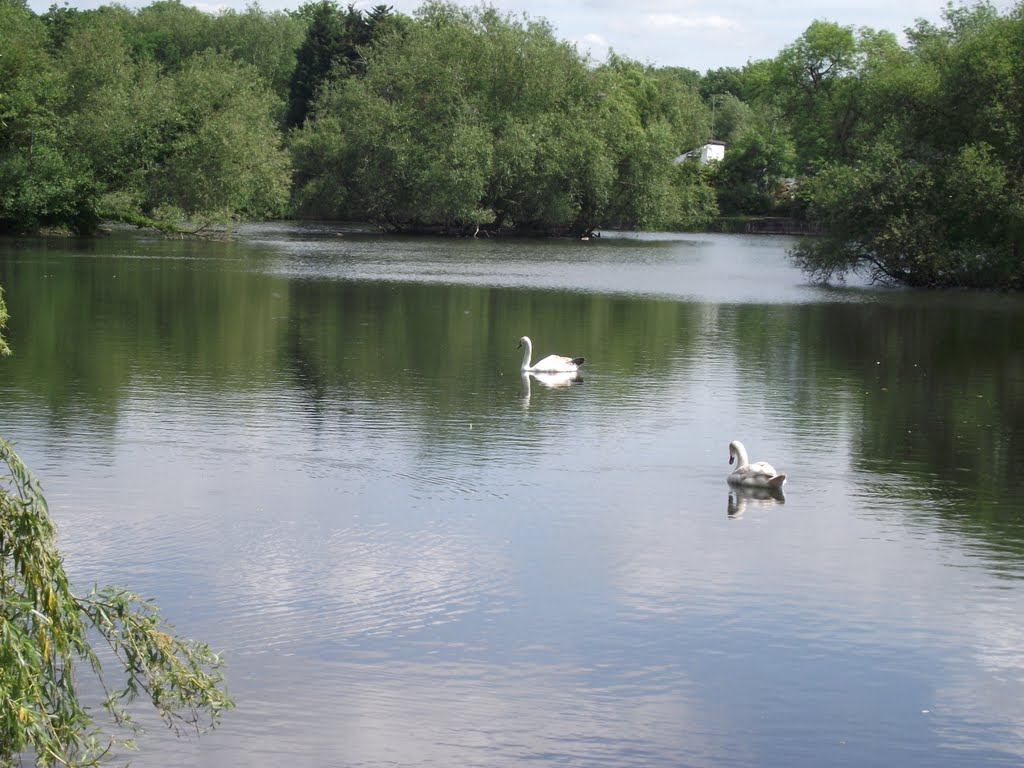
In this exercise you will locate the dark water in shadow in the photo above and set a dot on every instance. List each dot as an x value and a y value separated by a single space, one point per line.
316 452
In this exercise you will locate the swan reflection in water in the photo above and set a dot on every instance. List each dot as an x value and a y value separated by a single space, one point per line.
549 380
741 497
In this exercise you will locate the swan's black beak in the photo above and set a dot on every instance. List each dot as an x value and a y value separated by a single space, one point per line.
731 457
519 345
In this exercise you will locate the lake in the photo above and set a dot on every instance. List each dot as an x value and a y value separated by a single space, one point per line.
314 449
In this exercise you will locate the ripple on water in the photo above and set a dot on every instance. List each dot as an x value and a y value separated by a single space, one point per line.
443 713
361 585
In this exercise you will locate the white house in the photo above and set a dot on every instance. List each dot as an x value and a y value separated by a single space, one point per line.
710 152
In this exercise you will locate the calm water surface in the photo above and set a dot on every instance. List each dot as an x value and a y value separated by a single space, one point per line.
314 449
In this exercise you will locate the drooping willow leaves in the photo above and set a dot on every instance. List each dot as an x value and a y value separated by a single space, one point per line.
45 631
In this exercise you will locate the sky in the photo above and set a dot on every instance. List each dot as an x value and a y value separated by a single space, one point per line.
697 34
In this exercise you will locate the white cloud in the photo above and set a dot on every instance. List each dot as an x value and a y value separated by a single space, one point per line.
649 6
673 22
213 8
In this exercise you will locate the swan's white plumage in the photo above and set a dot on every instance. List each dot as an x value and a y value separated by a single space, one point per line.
760 474
549 364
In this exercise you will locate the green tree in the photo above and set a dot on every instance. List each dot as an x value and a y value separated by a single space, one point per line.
934 192
100 116
334 45
220 149
118 106
756 176
199 143
267 41
721 81
644 117
41 183
878 218
60 22
472 118
730 117
170 33
819 82
399 146
814 84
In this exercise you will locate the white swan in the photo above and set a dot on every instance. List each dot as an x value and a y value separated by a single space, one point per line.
551 363
757 475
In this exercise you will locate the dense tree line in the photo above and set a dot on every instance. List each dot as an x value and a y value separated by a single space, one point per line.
476 120
156 116
452 119
908 157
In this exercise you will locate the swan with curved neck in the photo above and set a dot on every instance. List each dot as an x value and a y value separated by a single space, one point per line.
760 474
549 364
